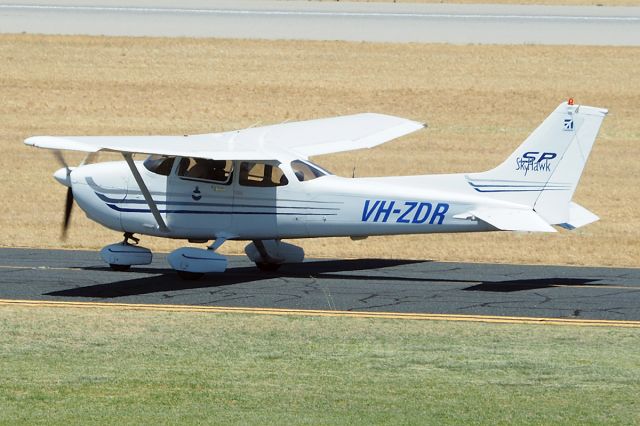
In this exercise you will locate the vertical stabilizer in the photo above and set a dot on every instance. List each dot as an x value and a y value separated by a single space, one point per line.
544 171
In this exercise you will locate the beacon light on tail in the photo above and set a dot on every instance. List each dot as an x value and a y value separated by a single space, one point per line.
258 185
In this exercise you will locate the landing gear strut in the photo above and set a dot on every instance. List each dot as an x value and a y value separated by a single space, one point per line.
129 236
267 263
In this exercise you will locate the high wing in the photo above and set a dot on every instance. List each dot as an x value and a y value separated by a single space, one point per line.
300 139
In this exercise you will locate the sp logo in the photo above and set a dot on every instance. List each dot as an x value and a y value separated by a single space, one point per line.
535 157
534 161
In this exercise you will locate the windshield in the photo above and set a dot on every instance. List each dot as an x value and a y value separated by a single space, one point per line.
306 171
160 164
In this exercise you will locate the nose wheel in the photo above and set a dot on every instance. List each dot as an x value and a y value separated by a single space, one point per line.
120 256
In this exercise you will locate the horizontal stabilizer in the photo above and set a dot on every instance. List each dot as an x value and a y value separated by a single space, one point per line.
510 219
578 217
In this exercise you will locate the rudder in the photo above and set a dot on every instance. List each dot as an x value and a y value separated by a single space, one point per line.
544 171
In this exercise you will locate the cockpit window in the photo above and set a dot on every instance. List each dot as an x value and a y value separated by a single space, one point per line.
219 171
306 171
261 174
160 164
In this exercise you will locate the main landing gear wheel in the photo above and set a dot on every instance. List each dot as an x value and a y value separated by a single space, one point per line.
190 276
268 267
119 268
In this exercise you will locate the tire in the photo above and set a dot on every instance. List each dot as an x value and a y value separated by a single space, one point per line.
190 276
268 267
119 268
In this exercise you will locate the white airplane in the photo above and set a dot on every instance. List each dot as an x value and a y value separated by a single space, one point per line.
257 184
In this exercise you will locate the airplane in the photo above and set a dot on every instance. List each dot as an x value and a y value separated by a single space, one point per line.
258 185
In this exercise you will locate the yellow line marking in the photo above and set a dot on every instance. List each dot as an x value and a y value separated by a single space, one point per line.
320 313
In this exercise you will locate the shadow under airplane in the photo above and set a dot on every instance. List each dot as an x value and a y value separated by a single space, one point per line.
166 280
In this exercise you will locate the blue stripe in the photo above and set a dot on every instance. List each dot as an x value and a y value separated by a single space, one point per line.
521 190
518 186
120 209
204 204
515 186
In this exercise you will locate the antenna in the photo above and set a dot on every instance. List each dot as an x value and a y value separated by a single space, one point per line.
355 163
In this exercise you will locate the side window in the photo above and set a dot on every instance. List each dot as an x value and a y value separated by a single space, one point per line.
204 169
160 164
261 174
305 171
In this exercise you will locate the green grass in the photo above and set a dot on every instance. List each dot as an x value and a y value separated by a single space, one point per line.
91 366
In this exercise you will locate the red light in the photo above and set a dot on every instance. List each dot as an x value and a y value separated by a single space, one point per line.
570 101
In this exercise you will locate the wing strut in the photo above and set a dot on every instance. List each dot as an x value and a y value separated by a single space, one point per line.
145 192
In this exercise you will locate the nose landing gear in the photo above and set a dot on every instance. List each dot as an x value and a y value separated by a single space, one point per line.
120 256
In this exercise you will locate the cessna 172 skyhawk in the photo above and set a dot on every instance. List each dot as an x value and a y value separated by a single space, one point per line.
257 184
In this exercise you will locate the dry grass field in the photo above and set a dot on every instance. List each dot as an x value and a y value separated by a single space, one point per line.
480 103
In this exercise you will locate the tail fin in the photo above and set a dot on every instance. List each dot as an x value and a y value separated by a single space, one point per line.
544 171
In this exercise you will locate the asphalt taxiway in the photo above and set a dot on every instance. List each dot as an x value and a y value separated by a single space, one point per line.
359 285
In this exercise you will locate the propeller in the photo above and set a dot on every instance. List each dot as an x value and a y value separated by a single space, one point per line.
68 205
63 176
61 160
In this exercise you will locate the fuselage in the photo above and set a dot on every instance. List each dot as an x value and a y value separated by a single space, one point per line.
287 205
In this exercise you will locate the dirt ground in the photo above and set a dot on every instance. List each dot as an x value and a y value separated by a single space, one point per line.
480 103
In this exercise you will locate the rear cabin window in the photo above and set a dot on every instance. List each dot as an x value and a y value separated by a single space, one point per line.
306 171
262 175
159 164
219 171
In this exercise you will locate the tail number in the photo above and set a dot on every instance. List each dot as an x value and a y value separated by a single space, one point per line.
416 212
